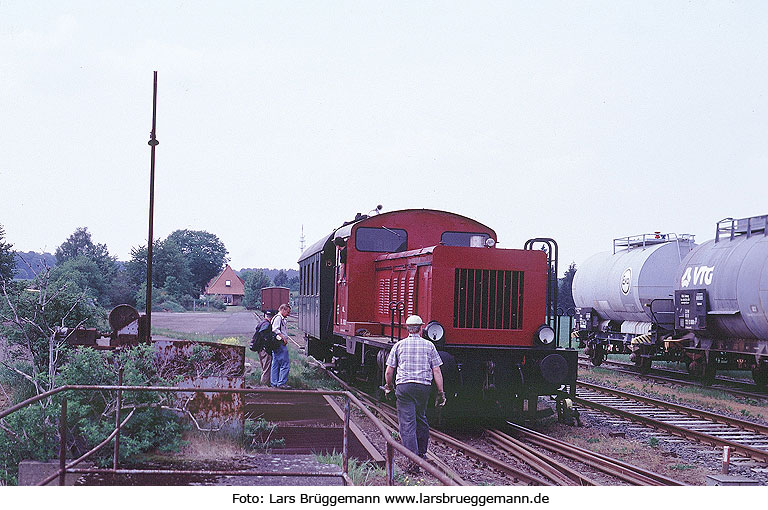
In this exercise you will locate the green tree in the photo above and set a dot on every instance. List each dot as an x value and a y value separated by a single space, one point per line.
565 292
281 278
158 296
167 260
205 255
120 289
31 316
7 260
172 288
81 274
254 282
106 278
80 244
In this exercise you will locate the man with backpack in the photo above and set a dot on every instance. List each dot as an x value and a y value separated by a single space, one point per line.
281 363
262 344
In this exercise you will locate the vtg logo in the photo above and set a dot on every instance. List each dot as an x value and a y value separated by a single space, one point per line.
626 281
700 275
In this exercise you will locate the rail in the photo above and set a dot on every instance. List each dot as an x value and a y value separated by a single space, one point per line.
644 240
64 467
731 227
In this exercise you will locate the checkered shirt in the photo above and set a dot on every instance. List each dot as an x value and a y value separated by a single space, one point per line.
414 358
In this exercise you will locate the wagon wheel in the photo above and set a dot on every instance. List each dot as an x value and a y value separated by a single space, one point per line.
709 373
760 376
597 355
644 364
642 361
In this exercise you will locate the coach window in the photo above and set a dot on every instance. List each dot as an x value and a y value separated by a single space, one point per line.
471 239
382 239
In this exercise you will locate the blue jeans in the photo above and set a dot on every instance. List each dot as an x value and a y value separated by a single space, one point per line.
412 416
281 364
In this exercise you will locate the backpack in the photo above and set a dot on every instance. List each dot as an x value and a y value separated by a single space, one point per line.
261 339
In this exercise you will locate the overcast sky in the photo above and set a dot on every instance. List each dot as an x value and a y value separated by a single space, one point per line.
581 121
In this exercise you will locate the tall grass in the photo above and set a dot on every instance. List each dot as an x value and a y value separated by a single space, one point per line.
361 473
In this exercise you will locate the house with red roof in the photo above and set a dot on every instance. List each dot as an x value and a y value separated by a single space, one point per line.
227 286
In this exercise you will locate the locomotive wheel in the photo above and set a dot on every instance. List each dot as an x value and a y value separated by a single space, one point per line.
597 355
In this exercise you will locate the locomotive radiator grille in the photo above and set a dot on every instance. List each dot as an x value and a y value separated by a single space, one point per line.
384 297
488 299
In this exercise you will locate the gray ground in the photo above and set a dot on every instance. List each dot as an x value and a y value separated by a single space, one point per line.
207 323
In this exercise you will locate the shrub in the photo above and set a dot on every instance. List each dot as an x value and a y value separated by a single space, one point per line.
187 301
168 306
213 302
258 435
32 432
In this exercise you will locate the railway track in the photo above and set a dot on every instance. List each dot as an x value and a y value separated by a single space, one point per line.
745 438
629 473
730 385
526 448
389 416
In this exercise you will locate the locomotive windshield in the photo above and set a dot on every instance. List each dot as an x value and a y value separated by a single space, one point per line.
381 239
471 239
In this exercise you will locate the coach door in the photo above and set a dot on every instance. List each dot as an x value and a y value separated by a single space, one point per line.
341 286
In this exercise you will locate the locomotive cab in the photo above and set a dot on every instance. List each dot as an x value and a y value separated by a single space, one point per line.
484 307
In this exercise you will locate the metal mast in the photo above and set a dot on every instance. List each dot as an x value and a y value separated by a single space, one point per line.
152 143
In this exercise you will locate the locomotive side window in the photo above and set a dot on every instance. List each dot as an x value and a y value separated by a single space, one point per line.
383 239
471 239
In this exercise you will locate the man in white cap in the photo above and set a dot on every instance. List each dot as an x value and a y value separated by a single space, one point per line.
417 363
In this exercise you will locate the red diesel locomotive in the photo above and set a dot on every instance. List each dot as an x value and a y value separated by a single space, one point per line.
485 308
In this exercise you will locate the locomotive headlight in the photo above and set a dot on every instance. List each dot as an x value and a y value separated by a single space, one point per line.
434 331
490 243
545 335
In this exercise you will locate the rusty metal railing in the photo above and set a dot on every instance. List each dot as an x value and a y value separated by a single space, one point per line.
64 467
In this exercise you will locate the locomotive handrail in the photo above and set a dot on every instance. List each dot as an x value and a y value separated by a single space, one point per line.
552 287
399 307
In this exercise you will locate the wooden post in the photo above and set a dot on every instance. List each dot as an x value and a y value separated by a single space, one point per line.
345 443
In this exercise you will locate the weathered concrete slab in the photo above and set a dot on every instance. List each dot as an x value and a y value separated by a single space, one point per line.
32 472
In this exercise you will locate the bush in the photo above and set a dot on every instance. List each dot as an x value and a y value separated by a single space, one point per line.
214 302
32 432
187 301
33 435
168 306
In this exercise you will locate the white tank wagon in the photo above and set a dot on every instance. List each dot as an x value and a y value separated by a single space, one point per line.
624 298
721 299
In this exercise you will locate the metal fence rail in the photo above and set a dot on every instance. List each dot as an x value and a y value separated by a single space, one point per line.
64 467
